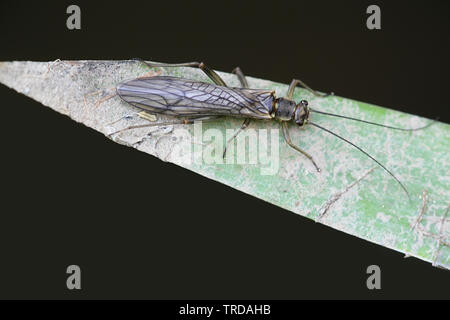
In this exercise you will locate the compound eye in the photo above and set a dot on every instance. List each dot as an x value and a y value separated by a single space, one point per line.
304 103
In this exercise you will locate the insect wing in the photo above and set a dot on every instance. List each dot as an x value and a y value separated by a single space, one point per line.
186 98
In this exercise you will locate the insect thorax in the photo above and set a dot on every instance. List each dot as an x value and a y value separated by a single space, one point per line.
284 109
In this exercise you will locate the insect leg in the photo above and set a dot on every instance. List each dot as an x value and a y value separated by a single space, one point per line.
208 71
160 124
287 138
243 126
296 82
237 71
246 122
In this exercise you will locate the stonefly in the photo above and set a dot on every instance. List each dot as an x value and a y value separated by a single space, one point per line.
191 100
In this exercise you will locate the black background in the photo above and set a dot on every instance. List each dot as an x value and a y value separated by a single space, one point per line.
142 228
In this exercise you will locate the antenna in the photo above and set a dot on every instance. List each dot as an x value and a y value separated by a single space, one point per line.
354 145
372 123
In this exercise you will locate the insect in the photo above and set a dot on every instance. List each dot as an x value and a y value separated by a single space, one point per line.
192 100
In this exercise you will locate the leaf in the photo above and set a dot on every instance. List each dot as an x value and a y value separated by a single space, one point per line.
351 193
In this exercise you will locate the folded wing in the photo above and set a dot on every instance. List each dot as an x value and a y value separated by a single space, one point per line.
187 98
